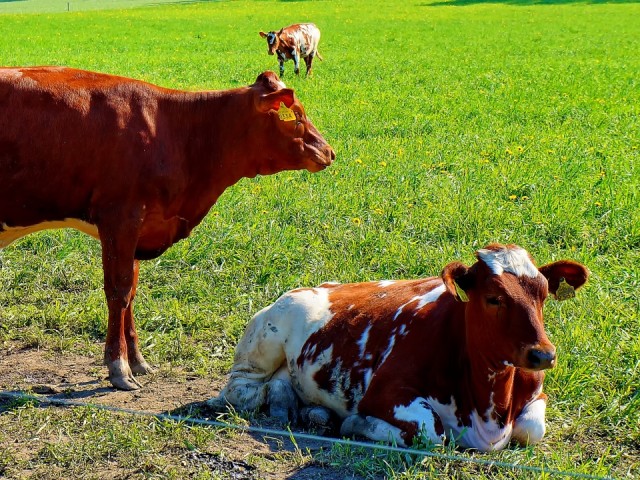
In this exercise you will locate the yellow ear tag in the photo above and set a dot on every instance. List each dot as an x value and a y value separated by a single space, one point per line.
286 114
461 293
565 291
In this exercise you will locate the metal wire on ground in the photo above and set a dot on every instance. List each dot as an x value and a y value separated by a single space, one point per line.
300 436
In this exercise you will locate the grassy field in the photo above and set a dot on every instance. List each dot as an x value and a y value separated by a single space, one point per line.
455 123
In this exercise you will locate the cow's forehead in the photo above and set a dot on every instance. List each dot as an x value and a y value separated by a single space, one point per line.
510 259
271 37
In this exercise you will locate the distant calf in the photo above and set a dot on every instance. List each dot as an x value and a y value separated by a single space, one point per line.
294 42
459 356
136 166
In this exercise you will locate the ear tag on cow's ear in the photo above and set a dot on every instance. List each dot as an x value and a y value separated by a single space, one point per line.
462 295
565 291
286 114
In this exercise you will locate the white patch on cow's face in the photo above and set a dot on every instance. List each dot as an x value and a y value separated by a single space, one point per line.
511 260
385 283
420 412
10 234
271 38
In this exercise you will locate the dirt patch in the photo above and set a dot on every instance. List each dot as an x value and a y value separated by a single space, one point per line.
83 379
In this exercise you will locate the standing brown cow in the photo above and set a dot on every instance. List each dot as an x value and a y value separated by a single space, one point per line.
294 42
136 166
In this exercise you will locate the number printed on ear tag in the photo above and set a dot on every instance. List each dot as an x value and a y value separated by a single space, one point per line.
286 114
565 291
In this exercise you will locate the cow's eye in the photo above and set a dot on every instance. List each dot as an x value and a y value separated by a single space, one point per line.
494 301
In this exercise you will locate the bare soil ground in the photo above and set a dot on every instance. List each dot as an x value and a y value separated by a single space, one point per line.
83 379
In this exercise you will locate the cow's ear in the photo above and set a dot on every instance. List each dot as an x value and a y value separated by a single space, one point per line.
457 279
564 272
272 101
263 35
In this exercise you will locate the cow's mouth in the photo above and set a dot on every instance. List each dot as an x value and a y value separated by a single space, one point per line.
322 159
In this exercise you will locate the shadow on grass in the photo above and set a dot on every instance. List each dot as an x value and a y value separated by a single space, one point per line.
522 3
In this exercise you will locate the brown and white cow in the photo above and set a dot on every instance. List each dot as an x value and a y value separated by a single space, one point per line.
136 166
460 356
294 42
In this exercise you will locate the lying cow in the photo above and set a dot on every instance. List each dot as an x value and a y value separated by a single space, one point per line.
294 42
136 166
459 356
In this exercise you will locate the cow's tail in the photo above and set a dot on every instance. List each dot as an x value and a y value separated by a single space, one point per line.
319 56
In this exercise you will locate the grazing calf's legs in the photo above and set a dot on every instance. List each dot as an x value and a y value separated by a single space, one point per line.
308 60
136 361
118 245
529 427
296 61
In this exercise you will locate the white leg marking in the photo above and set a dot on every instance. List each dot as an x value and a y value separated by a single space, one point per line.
530 426
372 428
420 412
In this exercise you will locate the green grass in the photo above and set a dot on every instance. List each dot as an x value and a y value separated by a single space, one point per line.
454 126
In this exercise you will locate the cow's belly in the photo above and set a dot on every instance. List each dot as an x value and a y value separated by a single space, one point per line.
9 234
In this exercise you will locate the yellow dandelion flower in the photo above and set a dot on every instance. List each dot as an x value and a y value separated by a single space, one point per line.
358 161
264 212
379 211
508 151
215 214
524 197
520 149
512 197
356 221
383 164
598 204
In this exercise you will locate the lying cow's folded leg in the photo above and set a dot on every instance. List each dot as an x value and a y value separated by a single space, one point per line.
282 401
529 427
372 428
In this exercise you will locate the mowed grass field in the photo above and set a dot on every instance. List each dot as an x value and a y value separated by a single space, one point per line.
455 124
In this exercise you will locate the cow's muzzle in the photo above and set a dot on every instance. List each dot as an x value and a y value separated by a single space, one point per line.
541 359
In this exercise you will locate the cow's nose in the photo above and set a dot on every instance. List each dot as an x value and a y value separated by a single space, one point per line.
541 359
332 154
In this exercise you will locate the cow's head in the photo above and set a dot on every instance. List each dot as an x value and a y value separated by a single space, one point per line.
273 41
288 139
505 294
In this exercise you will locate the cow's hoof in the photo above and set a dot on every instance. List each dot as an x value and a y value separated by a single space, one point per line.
142 368
125 383
120 375
316 416
282 401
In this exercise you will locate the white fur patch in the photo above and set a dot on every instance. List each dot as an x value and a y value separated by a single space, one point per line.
530 425
419 412
511 260
385 283
9 234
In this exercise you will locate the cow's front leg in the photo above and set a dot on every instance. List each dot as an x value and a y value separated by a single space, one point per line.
413 418
118 246
281 59
529 427
137 362
296 61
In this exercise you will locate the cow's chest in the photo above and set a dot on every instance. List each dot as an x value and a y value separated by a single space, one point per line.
473 431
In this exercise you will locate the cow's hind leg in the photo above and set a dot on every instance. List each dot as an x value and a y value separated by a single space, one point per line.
259 355
308 61
138 364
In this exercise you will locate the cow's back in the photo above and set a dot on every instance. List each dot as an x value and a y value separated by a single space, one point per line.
66 130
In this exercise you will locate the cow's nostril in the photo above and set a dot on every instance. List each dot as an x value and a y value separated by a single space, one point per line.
540 359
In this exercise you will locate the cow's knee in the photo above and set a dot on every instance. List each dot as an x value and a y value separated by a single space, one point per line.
529 427
282 401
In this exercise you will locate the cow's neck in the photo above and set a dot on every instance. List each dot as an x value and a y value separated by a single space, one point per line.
217 130
492 389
